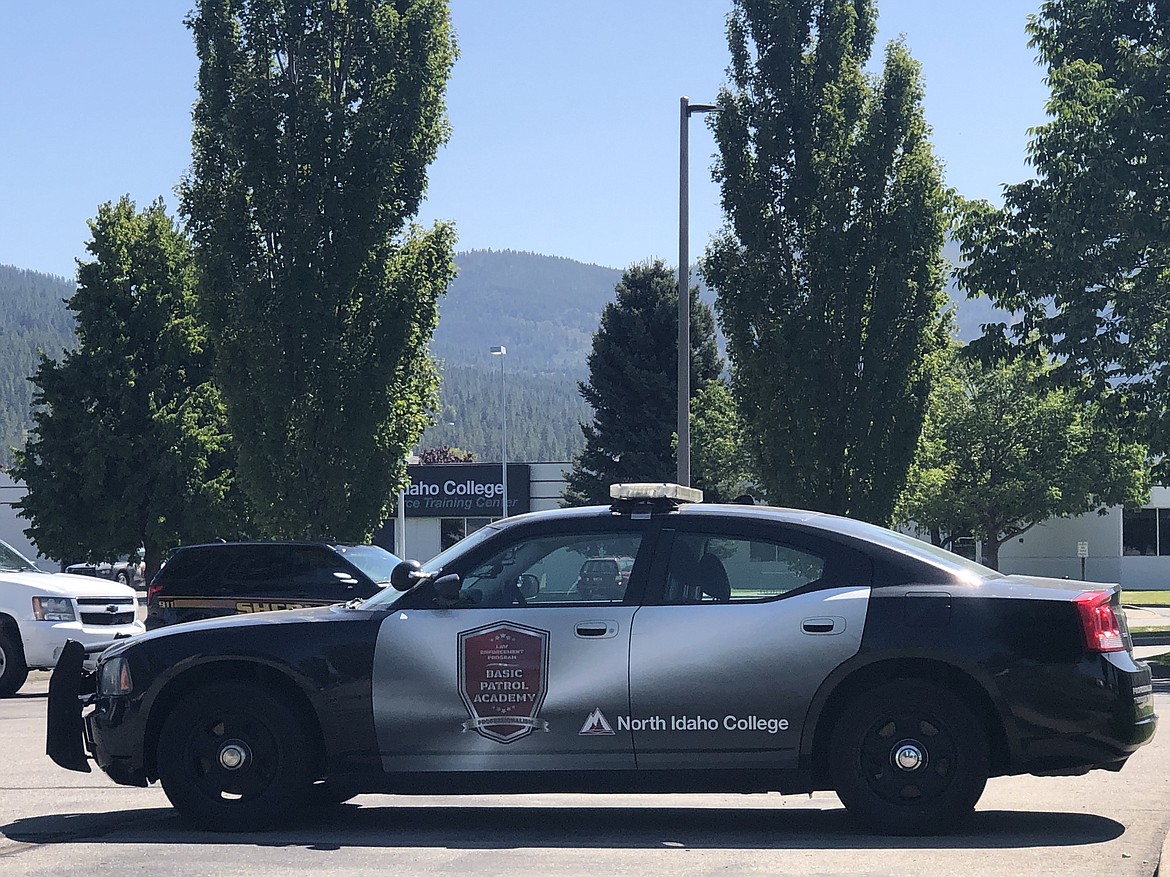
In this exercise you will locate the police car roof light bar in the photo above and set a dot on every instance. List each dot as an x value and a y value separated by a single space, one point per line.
652 494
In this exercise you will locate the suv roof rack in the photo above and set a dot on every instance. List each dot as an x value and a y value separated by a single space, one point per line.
651 496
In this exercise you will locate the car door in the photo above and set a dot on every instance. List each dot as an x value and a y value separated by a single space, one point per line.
524 671
749 621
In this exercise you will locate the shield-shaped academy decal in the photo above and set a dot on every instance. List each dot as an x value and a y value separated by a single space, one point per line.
503 677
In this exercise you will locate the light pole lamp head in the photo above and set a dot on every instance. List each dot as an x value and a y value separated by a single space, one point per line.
500 351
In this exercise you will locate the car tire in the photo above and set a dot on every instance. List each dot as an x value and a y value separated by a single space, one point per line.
909 758
13 670
233 757
122 578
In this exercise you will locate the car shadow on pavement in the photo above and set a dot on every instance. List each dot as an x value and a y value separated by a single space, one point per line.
479 828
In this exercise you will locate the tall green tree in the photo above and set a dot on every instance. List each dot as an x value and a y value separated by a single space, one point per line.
633 380
829 274
130 445
315 123
1005 448
1081 252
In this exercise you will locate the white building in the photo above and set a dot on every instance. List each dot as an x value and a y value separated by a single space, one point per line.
447 501
12 527
1128 547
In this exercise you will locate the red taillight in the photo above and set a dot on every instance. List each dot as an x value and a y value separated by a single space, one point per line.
1099 622
151 591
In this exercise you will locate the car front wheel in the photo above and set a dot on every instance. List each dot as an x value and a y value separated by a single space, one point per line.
908 757
233 757
13 670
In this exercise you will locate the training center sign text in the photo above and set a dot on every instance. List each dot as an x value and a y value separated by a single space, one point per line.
465 490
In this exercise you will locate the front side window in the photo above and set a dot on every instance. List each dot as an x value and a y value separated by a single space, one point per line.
542 570
710 568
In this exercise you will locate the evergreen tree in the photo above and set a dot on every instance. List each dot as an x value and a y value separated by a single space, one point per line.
632 386
829 276
130 446
314 127
1081 251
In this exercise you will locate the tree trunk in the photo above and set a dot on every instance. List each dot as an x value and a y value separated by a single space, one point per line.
990 553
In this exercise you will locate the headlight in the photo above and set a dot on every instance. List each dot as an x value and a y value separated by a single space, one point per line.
114 677
53 609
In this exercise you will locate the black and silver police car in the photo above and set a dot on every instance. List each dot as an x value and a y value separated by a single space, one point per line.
753 649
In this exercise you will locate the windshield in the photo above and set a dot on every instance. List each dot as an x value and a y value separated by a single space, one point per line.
374 561
12 560
387 597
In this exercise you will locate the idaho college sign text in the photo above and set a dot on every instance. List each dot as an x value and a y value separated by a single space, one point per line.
465 490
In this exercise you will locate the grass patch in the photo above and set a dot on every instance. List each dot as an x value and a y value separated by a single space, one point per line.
1145 598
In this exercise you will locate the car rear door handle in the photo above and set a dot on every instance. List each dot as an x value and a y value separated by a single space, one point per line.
596 629
825 625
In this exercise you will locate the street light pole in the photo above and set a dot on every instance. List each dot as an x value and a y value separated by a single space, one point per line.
501 352
686 109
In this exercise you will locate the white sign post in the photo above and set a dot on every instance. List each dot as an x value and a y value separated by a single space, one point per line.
1082 553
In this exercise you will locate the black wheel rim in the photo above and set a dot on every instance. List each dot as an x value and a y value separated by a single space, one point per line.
908 758
232 756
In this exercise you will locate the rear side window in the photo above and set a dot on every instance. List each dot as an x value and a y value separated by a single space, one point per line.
724 568
191 570
290 569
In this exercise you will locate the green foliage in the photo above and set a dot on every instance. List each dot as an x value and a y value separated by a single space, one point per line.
32 318
829 277
313 130
719 454
130 445
1004 448
633 381
1081 251
444 454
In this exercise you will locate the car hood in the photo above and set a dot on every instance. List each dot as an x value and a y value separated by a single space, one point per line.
249 619
63 585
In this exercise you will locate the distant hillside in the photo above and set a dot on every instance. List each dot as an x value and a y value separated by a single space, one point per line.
544 309
32 315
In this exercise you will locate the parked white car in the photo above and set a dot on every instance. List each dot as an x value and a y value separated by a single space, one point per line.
39 611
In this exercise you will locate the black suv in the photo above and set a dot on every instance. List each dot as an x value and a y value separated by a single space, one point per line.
227 578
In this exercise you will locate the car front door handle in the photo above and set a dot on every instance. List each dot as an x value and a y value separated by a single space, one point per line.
596 629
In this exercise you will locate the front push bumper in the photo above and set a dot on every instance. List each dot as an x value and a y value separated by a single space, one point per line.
65 735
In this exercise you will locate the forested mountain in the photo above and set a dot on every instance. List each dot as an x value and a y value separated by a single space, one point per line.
543 309
32 315
544 411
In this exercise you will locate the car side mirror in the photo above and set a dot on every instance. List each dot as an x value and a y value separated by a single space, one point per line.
406 575
529 585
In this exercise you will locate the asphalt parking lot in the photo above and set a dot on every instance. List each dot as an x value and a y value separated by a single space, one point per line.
54 821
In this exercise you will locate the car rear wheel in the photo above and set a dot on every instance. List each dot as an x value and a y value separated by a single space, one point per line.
909 757
233 758
122 577
13 670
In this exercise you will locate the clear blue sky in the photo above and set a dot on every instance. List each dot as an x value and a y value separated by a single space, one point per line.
564 115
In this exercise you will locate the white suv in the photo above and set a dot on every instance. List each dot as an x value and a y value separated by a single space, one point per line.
39 611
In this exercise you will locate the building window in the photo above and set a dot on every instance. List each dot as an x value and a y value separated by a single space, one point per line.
1139 531
451 530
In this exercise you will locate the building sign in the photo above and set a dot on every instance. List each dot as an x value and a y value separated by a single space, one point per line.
465 490
503 677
